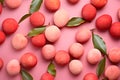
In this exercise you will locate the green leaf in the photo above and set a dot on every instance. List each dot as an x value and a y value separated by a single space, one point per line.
75 21
25 75
36 31
35 5
51 69
24 17
2 1
99 43
101 67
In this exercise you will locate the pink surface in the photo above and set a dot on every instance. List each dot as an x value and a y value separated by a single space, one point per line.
67 38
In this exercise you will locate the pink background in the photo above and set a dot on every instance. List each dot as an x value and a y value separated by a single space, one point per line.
67 38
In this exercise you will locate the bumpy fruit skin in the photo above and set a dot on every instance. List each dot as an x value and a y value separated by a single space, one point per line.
48 52
28 60
90 76
9 25
39 40
13 67
94 56
112 72
73 1
47 76
0 8
62 57
88 12
52 5
104 22
83 35
37 19
76 50
114 55
115 30
13 3
1 63
52 33
99 3
75 67
61 18
2 37
19 41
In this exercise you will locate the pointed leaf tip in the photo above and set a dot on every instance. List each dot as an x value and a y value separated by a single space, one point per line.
25 75
51 69
75 21
99 43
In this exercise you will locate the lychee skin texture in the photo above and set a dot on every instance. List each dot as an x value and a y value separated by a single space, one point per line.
88 12
48 52
1 63
83 35
104 22
19 41
112 72
99 3
47 76
2 37
61 18
1 8
37 19
52 5
90 76
9 25
73 1
76 50
28 60
39 40
52 33
114 55
94 56
13 67
75 67
115 30
13 3
62 57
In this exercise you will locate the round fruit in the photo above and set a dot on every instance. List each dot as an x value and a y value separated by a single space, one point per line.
39 40
99 3
52 33
61 18
37 19
114 55
112 72
28 60
47 76
76 50
94 56
90 76
115 30
13 3
2 37
83 35
104 22
89 12
62 57
9 25
75 67
13 67
48 52
52 5
19 41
